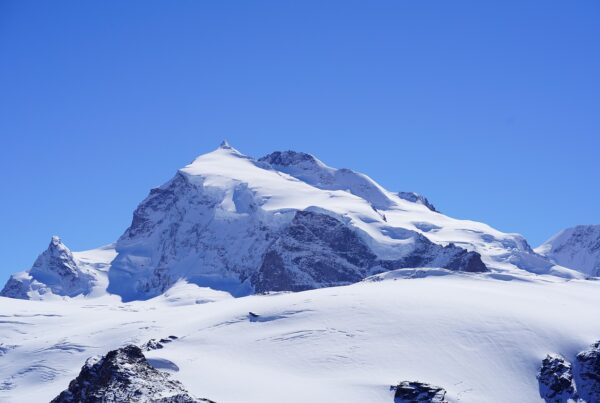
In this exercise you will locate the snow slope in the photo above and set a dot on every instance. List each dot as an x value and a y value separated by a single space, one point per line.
577 248
480 338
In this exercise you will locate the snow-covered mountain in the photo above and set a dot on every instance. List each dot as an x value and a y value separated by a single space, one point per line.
59 272
577 248
287 221
439 309
283 222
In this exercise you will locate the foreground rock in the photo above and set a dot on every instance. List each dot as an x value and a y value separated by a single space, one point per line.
588 373
124 375
556 379
412 392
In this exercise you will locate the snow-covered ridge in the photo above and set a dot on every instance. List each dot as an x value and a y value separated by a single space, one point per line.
577 248
281 222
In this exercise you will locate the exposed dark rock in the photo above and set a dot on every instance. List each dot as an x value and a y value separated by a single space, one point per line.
417 198
587 373
15 288
555 379
287 158
154 344
317 250
412 392
124 375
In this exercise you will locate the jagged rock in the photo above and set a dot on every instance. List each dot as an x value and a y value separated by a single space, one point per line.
555 379
412 392
154 344
417 198
124 375
587 373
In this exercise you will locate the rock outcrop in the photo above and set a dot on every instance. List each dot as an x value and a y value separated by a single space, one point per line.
417 198
555 379
317 250
418 392
154 344
587 373
124 375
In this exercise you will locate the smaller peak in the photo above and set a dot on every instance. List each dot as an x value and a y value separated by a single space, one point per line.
57 247
225 145
55 241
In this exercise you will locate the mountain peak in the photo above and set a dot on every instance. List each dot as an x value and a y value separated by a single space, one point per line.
225 145
55 242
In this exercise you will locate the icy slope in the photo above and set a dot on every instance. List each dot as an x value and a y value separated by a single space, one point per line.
59 272
577 248
481 339
284 222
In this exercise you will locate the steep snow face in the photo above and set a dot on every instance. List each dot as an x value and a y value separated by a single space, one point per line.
577 248
232 223
58 272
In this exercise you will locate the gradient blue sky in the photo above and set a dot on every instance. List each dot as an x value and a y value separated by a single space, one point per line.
490 109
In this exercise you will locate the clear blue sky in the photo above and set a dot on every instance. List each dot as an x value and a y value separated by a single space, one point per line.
490 109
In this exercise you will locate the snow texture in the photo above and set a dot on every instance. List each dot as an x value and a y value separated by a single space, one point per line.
480 338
